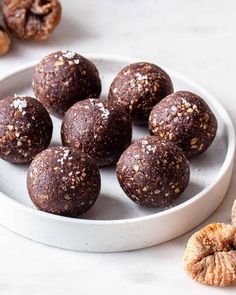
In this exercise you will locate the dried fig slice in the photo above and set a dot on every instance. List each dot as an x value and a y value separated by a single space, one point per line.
233 216
210 256
5 41
31 19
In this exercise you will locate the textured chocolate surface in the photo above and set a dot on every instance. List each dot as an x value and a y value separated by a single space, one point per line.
138 88
25 128
153 172
63 181
185 119
63 78
98 129
31 19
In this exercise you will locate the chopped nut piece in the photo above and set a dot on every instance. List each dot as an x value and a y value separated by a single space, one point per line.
189 110
136 168
210 256
177 190
10 127
194 140
58 63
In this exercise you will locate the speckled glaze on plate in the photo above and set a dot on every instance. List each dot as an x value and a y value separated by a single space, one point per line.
115 223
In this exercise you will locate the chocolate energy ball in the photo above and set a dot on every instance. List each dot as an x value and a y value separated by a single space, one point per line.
63 181
185 119
25 128
138 88
63 78
153 172
98 129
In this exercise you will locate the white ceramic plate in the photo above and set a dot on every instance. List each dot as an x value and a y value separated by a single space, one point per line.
115 223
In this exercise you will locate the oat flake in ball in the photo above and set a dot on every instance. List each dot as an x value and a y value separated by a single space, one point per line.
98 129
63 78
63 181
153 172
25 128
185 119
138 88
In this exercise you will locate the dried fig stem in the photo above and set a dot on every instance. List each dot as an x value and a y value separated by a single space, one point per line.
40 9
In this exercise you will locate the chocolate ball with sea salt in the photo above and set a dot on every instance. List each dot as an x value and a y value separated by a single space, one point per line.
153 172
25 128
185 119
63 181
138 88
98 129
63 78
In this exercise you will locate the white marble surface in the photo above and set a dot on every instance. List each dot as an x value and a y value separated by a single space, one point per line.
195 37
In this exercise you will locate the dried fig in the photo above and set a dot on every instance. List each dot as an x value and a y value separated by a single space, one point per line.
210 256
233 216
31 19
5 41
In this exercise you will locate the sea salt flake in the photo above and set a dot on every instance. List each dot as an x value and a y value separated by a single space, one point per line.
185 102
68 54
64 157
141 77
174 108
147 147
105 112
144 142
19 104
